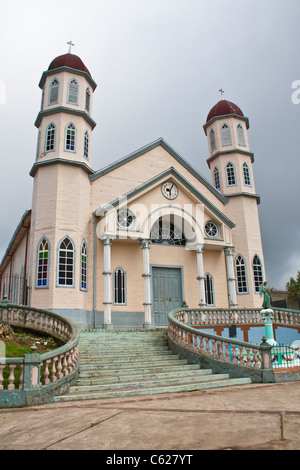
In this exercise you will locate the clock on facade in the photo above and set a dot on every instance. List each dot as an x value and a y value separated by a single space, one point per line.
169 190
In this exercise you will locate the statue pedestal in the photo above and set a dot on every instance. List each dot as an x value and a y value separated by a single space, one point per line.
267 315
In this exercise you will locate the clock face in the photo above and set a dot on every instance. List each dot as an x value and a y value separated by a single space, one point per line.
169 190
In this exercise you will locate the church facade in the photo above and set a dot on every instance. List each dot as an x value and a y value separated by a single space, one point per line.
122 246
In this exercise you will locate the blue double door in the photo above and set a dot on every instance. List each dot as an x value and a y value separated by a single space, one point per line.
167 292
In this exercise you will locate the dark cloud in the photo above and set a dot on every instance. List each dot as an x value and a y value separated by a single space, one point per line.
159 66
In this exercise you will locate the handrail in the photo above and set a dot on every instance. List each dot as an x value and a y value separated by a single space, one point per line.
238 357
39 377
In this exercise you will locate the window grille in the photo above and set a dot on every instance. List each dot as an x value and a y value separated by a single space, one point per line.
119 287
66 263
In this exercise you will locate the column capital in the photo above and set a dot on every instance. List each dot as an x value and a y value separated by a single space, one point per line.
107 240
229 250
145 244
199 248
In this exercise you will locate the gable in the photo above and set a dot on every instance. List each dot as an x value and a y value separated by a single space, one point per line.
142 166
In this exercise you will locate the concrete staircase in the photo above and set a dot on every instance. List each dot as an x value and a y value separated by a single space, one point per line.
121 363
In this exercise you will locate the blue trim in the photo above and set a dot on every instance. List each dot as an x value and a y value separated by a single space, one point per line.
75 139
57 263
246 275
81 287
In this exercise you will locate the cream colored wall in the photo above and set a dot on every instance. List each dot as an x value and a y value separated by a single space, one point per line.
232 122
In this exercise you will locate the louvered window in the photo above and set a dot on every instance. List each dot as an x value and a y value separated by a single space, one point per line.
87 100
230 173
226 135
73 92
53 92
212 138
50 138
240 136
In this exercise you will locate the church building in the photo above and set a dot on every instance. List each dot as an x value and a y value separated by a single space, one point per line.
122 246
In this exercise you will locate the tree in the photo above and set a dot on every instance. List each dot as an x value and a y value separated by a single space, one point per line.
293 286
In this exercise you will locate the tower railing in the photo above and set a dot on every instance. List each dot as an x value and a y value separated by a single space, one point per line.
238 358
38 378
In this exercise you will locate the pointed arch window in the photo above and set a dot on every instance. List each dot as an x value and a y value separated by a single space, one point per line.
209 289
42 275
241 136
86 145
66 263
226 135
53 91
230 174
50 138
73 91
257 273
241 277
119 287
246 174
83 266
70 139
87 99
212 139
217 178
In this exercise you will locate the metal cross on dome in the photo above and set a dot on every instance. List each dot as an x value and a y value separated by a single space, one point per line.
70 45
222 93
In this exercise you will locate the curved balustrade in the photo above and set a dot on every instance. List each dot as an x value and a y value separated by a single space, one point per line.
37 378
239 358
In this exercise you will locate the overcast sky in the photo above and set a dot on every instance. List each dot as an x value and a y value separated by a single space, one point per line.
159 65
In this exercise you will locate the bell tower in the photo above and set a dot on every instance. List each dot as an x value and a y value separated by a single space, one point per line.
61 190
230 162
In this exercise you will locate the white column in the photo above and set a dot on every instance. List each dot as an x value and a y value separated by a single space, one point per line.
147 284
231 280
107 283
200 277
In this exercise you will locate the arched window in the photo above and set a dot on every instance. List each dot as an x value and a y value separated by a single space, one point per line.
217 178
230 174
212 139
53 91
226 135
246 174
240 136
87 99
119 287
209 289
50 138
66 263
257 273
70 139
83 267
241 277
86 145
164 232
73 92
43 263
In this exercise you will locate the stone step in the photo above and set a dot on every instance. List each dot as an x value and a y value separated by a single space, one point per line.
88 373
187 387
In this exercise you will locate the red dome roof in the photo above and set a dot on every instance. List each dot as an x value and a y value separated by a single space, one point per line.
222 108
68 60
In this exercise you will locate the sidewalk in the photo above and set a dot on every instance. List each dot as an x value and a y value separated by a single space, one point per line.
250 417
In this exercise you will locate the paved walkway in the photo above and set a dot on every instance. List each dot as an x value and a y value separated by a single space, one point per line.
250 417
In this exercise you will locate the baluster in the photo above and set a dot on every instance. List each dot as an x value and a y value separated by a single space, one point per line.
53 370
21 379
207 348
214 349
241 356
234 359
70 360
65 365
59 367
220 350
249 363
227 352
46 379
1 375
201 345
11 377
256 358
